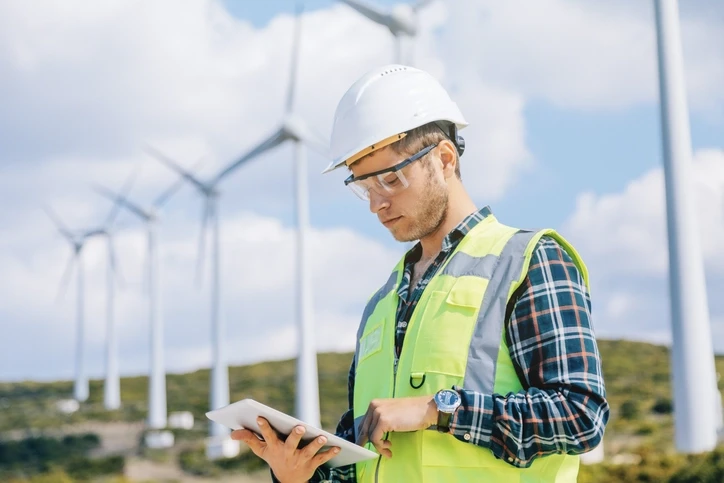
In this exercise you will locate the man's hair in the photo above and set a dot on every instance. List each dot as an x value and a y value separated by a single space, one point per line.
422 136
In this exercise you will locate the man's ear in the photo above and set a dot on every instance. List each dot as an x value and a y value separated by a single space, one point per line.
448 157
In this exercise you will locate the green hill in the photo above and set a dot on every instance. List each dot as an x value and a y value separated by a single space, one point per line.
637 380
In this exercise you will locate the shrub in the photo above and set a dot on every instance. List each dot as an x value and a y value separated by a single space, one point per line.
86 469
195 463
646 429
663 406
630 409
707 468
42 456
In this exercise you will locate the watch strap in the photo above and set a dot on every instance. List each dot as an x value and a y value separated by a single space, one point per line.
443 421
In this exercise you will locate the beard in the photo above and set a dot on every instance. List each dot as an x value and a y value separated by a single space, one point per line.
428 216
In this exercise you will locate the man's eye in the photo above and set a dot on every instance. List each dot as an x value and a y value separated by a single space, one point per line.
392 180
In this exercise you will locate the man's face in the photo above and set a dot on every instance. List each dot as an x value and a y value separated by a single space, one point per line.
419 209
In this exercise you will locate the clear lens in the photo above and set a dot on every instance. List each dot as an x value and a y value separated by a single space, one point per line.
388 184
358 189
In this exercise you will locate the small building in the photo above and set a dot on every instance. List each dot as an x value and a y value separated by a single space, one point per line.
221 447
181 420
67 406
158 439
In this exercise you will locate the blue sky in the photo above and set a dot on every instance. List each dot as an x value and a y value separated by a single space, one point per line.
564 132
260 13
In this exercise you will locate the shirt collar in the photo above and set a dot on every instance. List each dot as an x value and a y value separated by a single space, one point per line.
455 235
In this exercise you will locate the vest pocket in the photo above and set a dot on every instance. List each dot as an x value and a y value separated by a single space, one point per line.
371 342
445 330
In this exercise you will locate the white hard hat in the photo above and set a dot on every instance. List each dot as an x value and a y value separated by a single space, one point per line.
382 106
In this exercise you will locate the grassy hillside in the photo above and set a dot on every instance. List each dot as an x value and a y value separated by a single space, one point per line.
637 379
32 405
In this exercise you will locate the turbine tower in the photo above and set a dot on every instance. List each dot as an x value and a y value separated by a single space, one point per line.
219 381
295 129
77 242
401 21
157 406
112 384
694 380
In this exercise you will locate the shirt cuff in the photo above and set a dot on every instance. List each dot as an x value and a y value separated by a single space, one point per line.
473 419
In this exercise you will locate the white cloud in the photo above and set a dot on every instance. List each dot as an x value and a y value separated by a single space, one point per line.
587 54
622 237
195 81
629 228
257 286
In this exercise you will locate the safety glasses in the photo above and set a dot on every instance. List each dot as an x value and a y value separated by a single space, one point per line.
386 182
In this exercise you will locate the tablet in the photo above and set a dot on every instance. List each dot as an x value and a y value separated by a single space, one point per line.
243 414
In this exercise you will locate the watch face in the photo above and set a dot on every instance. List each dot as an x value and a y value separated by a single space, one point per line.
447 400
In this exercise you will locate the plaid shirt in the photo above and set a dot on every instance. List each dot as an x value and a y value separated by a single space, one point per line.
563 407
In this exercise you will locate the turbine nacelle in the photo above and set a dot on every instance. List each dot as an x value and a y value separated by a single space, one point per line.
403 20
296 129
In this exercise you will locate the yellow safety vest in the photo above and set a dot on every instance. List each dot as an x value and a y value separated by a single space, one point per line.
456 336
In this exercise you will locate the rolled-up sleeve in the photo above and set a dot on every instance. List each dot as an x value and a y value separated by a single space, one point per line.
562 407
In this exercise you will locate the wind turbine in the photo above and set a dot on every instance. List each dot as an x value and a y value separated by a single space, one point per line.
295 129
401 20
77 242
220 444
696 398
157 407
112 385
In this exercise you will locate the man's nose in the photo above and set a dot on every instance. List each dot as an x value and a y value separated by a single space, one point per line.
377 202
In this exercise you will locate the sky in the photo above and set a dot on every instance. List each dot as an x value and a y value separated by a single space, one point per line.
562 101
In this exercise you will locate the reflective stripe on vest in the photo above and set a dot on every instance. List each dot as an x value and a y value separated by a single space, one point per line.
464 305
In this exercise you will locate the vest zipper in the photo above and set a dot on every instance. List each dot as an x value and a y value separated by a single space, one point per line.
394 389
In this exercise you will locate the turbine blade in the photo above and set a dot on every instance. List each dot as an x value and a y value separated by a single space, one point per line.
313 140
421 4
116 208
124 202
58 224
175 167
145 264
94 233
371 12
65 279
271 142
201 255
296 39
113 261
171 190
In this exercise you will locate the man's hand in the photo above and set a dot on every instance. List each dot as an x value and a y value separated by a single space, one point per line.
401 414
288 463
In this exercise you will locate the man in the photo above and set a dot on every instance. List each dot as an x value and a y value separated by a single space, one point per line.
476 361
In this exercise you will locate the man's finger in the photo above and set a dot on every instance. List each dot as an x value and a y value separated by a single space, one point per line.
267 431
325 456
292 442
256 445
377 432
382 446
313 447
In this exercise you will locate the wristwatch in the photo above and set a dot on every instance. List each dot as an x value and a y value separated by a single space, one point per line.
447 402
